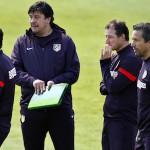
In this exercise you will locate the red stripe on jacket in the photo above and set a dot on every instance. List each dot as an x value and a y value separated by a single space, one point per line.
2 84
128 74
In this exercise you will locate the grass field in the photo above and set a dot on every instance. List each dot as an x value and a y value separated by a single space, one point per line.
84 21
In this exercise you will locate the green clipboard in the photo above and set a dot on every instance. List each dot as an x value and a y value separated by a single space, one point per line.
49 98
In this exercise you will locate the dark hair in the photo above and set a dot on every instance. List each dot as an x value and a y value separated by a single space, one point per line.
120 28
145 28
1 38
44 8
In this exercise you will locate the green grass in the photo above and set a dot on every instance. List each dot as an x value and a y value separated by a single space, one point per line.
84 21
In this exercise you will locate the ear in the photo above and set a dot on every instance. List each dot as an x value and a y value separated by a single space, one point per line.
123 36
48 19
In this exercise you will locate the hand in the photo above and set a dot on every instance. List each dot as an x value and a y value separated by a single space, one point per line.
49 84
106 53
39 86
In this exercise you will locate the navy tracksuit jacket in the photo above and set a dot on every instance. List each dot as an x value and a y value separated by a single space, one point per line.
144 97
54 58
7 87
143 84
47 58
119 84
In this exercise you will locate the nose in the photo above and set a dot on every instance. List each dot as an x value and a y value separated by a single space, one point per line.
133 44
32 20
106 41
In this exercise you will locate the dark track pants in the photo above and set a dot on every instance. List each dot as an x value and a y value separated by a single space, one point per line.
118 135
143 142
58 122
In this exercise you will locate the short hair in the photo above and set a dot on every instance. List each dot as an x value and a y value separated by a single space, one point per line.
145 28
44 8
120 28
1 38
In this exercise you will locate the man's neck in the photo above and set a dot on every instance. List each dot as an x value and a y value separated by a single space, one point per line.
47 32
123 46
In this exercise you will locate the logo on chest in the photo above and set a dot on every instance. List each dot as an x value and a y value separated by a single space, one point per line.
114 74
56 47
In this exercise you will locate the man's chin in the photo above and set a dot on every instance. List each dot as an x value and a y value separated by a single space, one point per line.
137 54
34 30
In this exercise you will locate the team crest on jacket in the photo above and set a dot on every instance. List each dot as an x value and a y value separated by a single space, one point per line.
114 74
56 47
144 74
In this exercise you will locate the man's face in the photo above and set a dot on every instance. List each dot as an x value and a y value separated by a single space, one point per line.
112 39
39 23
140 47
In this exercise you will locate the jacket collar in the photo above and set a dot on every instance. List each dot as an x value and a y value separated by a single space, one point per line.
124 50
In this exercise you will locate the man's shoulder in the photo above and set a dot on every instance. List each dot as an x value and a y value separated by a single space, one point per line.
22 38
5 62
61 34
4 57
132 59
130 54
147 66
65 38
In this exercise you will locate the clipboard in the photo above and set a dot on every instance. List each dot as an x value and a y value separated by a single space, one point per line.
49 98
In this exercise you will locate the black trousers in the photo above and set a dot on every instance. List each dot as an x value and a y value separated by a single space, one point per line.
143 142
118 135
58 122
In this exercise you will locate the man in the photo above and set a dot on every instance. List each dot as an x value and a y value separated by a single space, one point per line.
141 45
119 74
44 56
7 87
